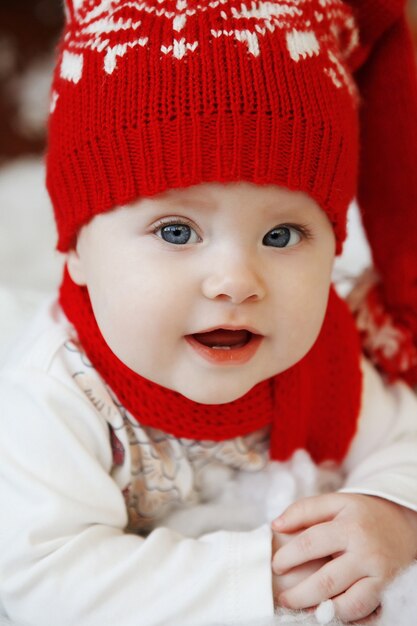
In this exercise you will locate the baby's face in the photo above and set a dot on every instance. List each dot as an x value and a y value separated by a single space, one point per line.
165 273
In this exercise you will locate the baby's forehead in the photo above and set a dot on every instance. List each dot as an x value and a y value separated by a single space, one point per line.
217 195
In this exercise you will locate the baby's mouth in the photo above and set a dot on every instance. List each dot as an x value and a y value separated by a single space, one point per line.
224 339
225 346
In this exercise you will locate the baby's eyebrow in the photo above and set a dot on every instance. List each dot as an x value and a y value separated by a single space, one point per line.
193 202
287 210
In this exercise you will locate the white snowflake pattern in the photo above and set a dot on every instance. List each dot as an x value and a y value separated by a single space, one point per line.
113 27
381 337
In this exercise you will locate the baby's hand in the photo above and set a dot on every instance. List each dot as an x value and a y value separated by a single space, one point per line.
364 541
297 574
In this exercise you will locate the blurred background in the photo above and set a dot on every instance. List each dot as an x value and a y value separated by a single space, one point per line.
28 34
29 266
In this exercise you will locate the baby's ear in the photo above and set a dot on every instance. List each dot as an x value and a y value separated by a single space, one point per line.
75 267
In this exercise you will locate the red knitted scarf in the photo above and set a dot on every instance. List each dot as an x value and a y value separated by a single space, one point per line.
314 405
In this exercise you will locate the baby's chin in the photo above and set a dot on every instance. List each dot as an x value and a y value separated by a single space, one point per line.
219 387
216 393
214 398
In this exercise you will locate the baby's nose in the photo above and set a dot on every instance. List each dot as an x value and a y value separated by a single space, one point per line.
235 281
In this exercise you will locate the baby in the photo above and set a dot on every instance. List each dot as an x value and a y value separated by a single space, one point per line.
200 164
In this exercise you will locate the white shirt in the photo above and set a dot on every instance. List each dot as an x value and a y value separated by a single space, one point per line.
108 521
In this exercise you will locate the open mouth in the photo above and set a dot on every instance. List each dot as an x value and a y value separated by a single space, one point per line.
223 339
223 345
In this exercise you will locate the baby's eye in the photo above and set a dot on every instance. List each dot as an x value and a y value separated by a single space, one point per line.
282 237
178 234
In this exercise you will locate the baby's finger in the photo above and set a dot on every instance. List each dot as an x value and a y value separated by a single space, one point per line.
309 511
359 601
296 575
330 580
316 542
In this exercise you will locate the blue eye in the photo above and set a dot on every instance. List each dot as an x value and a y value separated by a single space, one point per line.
281 236
177 233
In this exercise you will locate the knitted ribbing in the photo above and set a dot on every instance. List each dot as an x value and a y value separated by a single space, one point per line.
313 405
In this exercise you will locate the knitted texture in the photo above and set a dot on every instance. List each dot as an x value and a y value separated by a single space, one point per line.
309 406
148 96
387 343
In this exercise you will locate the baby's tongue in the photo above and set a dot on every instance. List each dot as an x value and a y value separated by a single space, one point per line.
222 337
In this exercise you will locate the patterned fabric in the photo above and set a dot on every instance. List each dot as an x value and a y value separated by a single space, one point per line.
387 344
112 29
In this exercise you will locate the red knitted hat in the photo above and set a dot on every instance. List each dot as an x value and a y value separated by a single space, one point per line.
159 94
